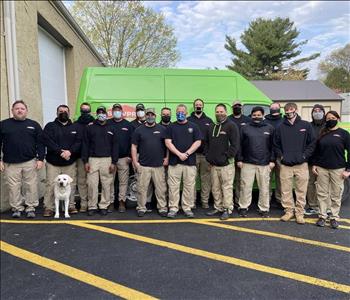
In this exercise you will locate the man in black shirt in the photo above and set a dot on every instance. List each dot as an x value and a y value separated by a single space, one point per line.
23 154
63 142
182 139
140 116
165 115
199 117
100 155
149 157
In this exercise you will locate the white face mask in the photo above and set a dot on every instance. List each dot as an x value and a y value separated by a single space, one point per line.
140 113
117 114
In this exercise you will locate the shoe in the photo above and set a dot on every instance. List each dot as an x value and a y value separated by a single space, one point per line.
194 206
189 214
225 215
300 219
321 222
83 209
141 213
264 214
171 214
163 213
334 224
287 216
30 214
48 212
16 214
110 208
205 205
72 210
122 207
213 212
311 212
103 212
243 212
91 212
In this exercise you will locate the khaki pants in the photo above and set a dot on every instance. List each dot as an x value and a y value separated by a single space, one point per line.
300 174
188 176
275 173
145 175
123 179
51 173
82 183
248 173
329 186
237 184
311 196
20 174
204 174
222 186
99 170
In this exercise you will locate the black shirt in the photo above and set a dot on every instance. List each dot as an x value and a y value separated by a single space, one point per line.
275 121
330 150
203 123
241 121
21 141
82 123
150 145
183 136
124 133
137 123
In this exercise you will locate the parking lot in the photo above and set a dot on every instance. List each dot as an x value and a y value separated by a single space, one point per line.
123 256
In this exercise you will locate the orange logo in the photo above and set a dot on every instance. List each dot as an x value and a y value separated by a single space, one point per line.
129 112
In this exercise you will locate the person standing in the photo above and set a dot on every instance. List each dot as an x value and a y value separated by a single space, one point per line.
63 142
165 115
331 168
294 143
100 156
203 122
256 159
23 155
82 122
182 139
222 145
140 116
149 157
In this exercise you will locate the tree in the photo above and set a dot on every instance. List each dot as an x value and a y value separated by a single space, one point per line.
338 79
270 45
339 58
127 34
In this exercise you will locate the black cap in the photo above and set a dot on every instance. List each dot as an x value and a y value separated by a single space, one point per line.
117 105
101 108
140 106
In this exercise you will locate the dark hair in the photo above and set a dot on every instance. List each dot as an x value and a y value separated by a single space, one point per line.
19 102
257 108
62 105
198 99
85 103
326 130
164 108
221 105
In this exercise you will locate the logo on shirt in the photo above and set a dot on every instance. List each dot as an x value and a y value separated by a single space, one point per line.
265 132
242 124
110 132
31 127
302 130
156 132
207 124
73 132
125 129
337 135
190 130
223 132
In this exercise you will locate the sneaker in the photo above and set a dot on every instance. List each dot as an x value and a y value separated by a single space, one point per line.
72 210
163 213
300 219
83 209
171 214
48 212
225 215
103 212
287 216
321 222
334 224
141 213
30 214
243 212
213 212
264 214
91 212
310 212
122 207
16 214
189 214
110 208
205 205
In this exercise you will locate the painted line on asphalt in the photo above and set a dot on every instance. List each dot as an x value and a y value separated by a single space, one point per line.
222 258
85 277
276 235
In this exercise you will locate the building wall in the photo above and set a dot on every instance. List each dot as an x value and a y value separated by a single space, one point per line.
78 56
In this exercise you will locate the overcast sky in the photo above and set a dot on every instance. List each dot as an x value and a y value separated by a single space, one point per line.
200 26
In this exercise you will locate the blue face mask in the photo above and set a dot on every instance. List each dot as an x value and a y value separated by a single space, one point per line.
117 114
180 116
102 117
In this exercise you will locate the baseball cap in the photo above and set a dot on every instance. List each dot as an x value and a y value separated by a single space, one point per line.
140 106
117 105
236 103
150 110
101 108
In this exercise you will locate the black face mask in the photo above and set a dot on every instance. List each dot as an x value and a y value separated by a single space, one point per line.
166 119
331 123
85 112
63 117
237 111
274 111
257 120
199 110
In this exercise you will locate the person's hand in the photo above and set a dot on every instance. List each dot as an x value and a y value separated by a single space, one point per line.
136 165
314 170
129 160
2 166
271 165
165 161
87 168
182 156
66 154
240 164
209 167
345 174
39 164
112 168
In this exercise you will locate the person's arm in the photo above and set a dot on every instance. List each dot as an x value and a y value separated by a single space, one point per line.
276 146
198 138
273 154
115 148
85 153
239 155
169 144
48 138
40 148
235 142
346 173
310 143
76 146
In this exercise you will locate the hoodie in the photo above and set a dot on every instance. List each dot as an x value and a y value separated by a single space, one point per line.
203 123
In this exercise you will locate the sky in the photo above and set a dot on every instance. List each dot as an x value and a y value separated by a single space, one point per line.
201 26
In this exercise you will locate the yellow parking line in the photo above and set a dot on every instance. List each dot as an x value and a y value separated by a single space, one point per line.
276 235
222 258
85 277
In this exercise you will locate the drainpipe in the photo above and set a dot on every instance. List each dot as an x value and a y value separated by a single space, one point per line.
11 52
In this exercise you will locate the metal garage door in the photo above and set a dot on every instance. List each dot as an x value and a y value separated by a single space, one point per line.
52 75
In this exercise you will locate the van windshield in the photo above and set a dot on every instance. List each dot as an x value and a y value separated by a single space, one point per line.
247 108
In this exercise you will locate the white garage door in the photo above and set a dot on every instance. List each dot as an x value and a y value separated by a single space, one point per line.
52 75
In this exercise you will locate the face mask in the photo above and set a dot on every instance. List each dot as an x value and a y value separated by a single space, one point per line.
237 111
85 112
317 115
150 120
331 123
180 116
140 113
199 110
102 117
117 114
63 117
166 119
274 111
290 115
220 118
257 119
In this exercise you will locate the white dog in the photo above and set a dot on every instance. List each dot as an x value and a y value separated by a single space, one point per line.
62 192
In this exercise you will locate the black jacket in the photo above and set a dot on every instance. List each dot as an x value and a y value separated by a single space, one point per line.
124 133
294 143
100 140
275 121
257 144
82 123
241 121
222 143
58 137
203 123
